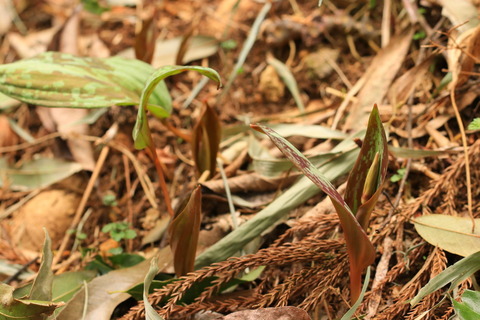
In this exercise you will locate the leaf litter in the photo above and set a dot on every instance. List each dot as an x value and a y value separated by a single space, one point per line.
404 69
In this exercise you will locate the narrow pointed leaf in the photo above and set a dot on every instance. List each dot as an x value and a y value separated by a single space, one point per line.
206 140
150 313
141 131
54 79
360 250
375 141
42 286
184 231
454 274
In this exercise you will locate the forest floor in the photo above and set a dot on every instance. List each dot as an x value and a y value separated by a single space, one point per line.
312 73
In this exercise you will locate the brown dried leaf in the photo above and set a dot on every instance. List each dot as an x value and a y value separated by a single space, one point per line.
378 78
184 231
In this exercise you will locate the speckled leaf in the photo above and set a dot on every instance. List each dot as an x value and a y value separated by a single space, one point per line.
54 79
184 231
141 131
374 142
360 250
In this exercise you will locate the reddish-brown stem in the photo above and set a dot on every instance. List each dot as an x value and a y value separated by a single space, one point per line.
163 184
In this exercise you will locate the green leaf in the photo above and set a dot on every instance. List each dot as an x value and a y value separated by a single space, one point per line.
474 125
54 79
126 260
360 250
42 285
206 140
150 313
271 215
464 311
454 274
374 142
141 131
287 77
452 234
471 299
37 173
399 175
184 230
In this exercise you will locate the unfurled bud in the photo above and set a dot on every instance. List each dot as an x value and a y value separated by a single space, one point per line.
372 179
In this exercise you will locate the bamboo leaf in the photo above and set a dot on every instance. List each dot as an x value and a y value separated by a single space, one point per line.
141 131
184 231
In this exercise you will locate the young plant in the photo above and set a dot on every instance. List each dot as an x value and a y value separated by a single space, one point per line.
363 189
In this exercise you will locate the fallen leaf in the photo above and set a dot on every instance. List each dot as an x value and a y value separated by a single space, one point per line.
37 173
452 234
378 77
200 46
283 313
106 292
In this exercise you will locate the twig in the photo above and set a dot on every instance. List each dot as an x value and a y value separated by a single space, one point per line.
88 190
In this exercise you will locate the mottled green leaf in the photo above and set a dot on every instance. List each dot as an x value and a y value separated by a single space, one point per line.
374 142
206 140
141 131
54 79
454 274
360 250
184 231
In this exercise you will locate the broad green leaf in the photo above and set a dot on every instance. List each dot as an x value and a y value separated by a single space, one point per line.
287 77
150 313
37 173
272 215
11 308
452 234
454 274
474 125
54 79
464 311
471 299
375 142
184 231
206 140
141 131
360 250
42 285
